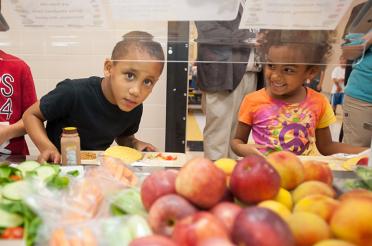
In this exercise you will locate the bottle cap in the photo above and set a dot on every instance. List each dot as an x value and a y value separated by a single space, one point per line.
69 130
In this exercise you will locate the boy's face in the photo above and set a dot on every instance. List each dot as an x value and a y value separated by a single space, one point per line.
285 72
132 79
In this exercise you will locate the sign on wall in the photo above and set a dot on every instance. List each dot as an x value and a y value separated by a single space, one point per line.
293 14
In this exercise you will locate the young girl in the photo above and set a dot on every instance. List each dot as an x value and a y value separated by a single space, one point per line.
286 115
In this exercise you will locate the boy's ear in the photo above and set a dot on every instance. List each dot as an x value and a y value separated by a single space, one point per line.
313 71
107 67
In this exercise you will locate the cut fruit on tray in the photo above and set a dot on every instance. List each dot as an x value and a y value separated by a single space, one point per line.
126 154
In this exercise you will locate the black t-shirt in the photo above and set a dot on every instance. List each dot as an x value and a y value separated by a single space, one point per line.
81 103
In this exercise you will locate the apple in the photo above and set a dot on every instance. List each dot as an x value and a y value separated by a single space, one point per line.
196 228
215 242
157 184
153 240
355 193
363 161
289 167
318 170
321 205
352 220
312 187
260 226
201 182
308 228
254 180
226 212
166 211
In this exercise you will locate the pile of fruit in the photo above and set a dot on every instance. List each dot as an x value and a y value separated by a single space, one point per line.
276 200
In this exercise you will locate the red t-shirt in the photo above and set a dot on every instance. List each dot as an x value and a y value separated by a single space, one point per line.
17 93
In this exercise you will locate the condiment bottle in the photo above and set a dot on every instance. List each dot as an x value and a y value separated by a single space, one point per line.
70 146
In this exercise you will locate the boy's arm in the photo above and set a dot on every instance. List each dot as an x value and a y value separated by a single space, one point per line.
33 120
131 141
326 146
239 142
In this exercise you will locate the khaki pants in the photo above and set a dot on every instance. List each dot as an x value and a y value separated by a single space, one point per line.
221 111
356 113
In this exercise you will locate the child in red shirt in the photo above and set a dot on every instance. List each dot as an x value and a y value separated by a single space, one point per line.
17 94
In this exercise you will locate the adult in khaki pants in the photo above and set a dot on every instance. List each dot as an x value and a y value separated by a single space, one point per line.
223 77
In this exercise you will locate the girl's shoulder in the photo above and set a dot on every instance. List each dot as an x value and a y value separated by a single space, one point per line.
257 95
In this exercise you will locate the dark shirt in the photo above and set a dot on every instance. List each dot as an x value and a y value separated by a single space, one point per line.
82 104
223 53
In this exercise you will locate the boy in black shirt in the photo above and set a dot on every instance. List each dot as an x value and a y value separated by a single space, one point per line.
102 109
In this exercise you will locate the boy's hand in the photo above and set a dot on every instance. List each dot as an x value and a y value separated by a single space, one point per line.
49 155
143 146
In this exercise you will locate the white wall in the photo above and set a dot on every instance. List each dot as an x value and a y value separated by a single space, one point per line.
83 57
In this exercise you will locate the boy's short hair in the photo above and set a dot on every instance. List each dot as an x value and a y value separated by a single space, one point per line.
139 40
316 45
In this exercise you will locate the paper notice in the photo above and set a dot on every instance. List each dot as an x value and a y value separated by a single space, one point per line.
293 14
57 13
173 10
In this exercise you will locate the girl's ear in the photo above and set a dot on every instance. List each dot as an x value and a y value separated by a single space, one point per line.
312 72
107 67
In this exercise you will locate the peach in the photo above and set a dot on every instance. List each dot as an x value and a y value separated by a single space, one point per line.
355 193
310 188
289 167
352 221
285 198
334 242
321 205
308 228
318 170
276 207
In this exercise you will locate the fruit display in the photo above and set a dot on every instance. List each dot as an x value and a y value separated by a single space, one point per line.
257 208
275 200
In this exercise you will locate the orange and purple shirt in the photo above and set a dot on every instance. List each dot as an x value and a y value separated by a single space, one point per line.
286 126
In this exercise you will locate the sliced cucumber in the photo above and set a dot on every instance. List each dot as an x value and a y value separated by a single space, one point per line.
45 173
15 191
9 219
27 166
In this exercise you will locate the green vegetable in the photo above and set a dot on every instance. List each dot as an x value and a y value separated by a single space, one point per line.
27 166
73 173
128 201
59 182
351 184
31 221
365 173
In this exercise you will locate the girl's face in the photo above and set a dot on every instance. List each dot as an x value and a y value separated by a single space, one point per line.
285 73
132 79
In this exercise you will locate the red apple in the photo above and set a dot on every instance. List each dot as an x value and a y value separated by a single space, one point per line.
363 161
198 227
261 226
166 211
153 240
254 180
157 184
201 182
226 212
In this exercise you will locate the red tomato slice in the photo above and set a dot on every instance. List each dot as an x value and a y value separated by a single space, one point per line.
15 177
13 233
